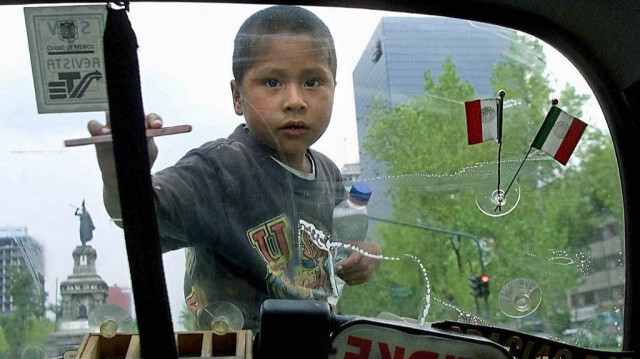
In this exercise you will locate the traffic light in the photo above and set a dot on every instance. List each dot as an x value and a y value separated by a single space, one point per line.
480 285
476 286
484 285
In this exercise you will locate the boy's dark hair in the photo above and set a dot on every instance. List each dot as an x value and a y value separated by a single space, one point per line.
277 20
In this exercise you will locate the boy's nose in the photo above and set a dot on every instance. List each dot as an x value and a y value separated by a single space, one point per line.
294 98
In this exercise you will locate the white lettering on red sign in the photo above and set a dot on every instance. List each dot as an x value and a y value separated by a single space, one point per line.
363 347
371 341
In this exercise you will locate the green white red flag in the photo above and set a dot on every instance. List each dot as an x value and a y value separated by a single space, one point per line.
559 134
482 120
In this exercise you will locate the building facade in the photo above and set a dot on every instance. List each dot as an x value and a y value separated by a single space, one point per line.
350 172
602 290
121 297
19 250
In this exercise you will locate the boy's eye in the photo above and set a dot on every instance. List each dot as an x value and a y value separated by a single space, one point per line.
312 83
272 83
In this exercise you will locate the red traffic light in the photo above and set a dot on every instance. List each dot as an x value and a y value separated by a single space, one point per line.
484 278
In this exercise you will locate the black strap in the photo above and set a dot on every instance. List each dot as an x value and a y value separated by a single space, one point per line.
136 193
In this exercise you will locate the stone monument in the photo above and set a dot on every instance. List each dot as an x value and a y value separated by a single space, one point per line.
81 293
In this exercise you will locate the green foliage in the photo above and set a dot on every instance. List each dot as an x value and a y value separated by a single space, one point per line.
423 144
40 328
14 338
26 297
5 348
187 320
26 328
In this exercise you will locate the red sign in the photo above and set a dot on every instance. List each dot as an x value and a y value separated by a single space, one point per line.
368 340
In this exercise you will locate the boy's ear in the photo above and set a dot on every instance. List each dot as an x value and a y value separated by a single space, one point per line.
237 100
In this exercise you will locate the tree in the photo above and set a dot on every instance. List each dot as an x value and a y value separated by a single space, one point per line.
434 172
26 325
5 348
187 319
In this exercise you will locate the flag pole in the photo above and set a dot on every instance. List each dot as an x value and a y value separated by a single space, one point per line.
501 95
518 171
554 102
514 177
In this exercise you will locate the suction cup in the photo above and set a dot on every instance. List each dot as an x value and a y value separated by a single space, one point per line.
494 201
221 317
110 319
519 297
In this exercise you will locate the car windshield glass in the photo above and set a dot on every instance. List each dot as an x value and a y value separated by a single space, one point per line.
525 233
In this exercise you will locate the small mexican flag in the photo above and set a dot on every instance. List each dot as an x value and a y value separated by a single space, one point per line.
559 134
482 120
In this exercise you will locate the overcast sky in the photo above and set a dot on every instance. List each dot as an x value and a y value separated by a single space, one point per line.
185 57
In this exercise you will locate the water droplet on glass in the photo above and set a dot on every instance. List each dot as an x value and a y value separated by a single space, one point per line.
561 260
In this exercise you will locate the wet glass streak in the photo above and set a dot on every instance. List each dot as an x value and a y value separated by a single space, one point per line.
466 176
322 241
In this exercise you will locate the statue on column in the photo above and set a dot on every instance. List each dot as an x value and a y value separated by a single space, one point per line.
86 224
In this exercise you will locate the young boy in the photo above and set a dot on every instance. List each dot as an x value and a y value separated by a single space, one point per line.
236 203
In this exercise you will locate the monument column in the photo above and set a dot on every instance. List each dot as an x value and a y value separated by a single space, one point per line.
84 290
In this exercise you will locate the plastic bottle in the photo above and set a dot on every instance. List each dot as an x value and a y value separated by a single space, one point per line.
350 221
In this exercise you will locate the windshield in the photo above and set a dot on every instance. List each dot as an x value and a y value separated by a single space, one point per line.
469 230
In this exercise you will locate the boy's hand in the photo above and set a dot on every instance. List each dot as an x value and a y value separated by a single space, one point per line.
106 161
357 268
104 151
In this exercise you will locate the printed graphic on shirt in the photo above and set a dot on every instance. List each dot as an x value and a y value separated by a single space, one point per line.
196 300
291 273
271 242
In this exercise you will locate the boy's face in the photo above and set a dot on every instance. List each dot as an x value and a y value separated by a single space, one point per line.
286 95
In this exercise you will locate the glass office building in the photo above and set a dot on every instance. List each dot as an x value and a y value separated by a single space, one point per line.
18 250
